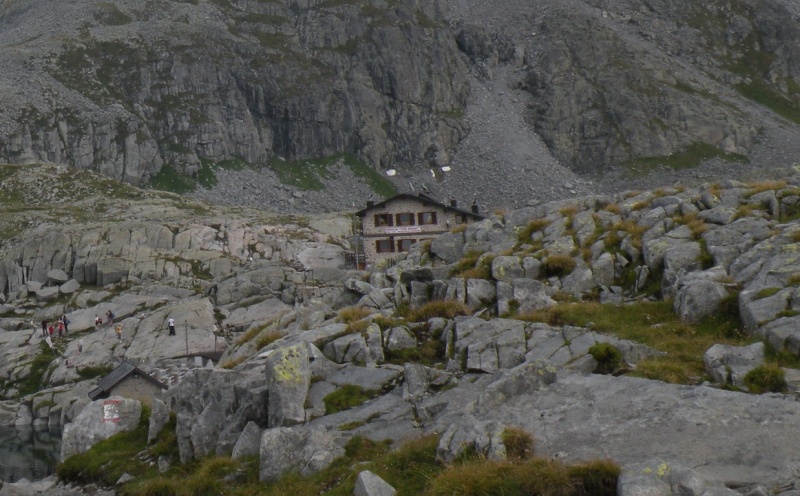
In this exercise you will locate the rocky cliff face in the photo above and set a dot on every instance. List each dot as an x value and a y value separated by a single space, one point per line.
129 89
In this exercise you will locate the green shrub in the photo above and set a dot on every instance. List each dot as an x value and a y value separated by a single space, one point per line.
161 487
608 357
766 379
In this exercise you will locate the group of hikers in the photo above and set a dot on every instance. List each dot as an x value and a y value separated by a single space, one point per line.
60 326
98 322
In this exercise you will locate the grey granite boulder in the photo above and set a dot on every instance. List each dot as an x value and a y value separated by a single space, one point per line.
485 438
782 334
699 294
369 484
69 287
57 276
507 268
480 293
300 449
448 247
487 346
249 442
656 477
350 348
398 338
288 378
100 420
729 364
159 416
757 306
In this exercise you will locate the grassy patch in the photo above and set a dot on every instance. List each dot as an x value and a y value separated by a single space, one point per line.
448 309
310 174
536 225
107 460
656 325
168 179
767 378
39 366
349 315
691 156
346 397
93 372
558 265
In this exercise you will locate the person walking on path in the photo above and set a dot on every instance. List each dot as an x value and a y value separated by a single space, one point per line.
51 330
44 328
80 345
65 320
60 329
110 317
118 330
97 322
171 324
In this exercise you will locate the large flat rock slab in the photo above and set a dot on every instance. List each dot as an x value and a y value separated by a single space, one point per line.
726 436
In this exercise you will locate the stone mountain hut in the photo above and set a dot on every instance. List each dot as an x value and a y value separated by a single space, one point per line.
393 225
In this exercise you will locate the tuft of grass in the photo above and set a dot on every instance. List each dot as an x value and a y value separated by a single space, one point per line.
766 293
768 378
595 478
518 443
608 357
357 327
448 309
558 265
536 225
267 338
232 362
761 186
349 315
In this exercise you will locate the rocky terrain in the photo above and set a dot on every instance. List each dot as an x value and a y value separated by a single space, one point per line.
475 363
546 99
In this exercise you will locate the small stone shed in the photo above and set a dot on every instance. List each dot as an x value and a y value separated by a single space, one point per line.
128 381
